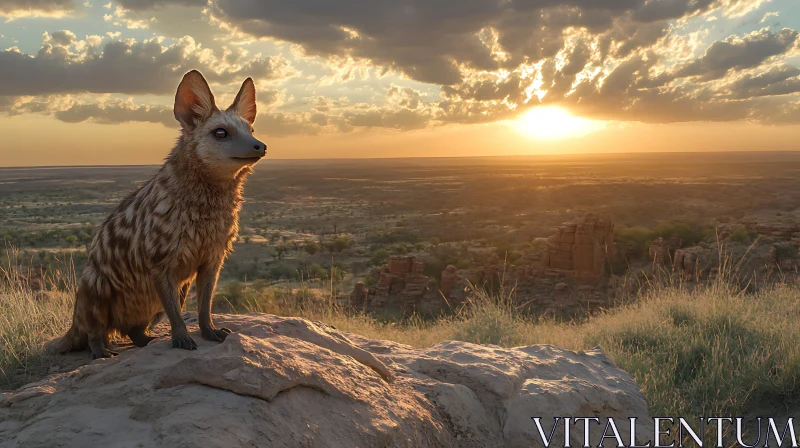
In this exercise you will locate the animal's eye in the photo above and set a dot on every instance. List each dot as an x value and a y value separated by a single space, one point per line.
220 133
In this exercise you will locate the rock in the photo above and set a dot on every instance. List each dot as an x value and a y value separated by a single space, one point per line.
583 247
449 278
290 382
453 286
401 280
659 251
692 261
358 298
779 230
401 285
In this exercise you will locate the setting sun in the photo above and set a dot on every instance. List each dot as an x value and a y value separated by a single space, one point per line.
554 123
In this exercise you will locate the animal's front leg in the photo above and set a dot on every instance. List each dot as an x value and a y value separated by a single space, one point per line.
168 292
206 284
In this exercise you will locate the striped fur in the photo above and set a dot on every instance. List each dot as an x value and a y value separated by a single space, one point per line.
175 229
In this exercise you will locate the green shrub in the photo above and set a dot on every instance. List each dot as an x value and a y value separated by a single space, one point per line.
785 250
380 257
741 235
689 233
634 241
283 271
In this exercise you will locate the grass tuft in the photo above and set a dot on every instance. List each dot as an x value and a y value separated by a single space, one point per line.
706 350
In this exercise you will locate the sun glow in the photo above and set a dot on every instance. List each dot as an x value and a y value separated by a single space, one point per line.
554 123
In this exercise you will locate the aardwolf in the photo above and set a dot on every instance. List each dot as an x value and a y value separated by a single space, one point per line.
177 228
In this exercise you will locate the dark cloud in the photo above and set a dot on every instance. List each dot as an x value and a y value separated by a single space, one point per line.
117 113
24 7
7 103
426 40
781 80
63 38
491 59
659 10
605 57
139 5
739 53
429 41
120 67
109 111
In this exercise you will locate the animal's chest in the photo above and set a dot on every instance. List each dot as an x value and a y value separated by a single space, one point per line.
205 235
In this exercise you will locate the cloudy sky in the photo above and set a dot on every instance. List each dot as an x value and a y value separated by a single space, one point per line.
92 81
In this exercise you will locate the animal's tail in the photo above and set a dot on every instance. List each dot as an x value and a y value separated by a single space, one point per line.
75 339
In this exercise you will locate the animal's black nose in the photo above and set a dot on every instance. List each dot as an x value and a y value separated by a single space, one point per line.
257 147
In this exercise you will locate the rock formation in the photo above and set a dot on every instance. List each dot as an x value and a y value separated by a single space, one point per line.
780 230
662 250
402 286
451 280
692 261
577 258
358 298
582 247
288 382
403 276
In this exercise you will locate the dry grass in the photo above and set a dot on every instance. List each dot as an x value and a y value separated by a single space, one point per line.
28 319
713 350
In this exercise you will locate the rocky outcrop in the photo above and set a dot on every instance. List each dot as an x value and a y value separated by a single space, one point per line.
659 251
402 286
662 249
780 230
583 247
358 298
289 382
692 261
452 284
401 276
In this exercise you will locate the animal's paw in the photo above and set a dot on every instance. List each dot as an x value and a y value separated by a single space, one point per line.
215 334
184 342
142 340
105 353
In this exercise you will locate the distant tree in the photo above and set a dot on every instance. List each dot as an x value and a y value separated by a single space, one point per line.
380 256
311 248
317 271
741 235
71 240
281 251
340 244
247 240
435 241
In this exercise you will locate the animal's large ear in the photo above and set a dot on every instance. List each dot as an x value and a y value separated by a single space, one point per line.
194 101
245 102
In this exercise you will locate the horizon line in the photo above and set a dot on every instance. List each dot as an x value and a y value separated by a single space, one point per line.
507 156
